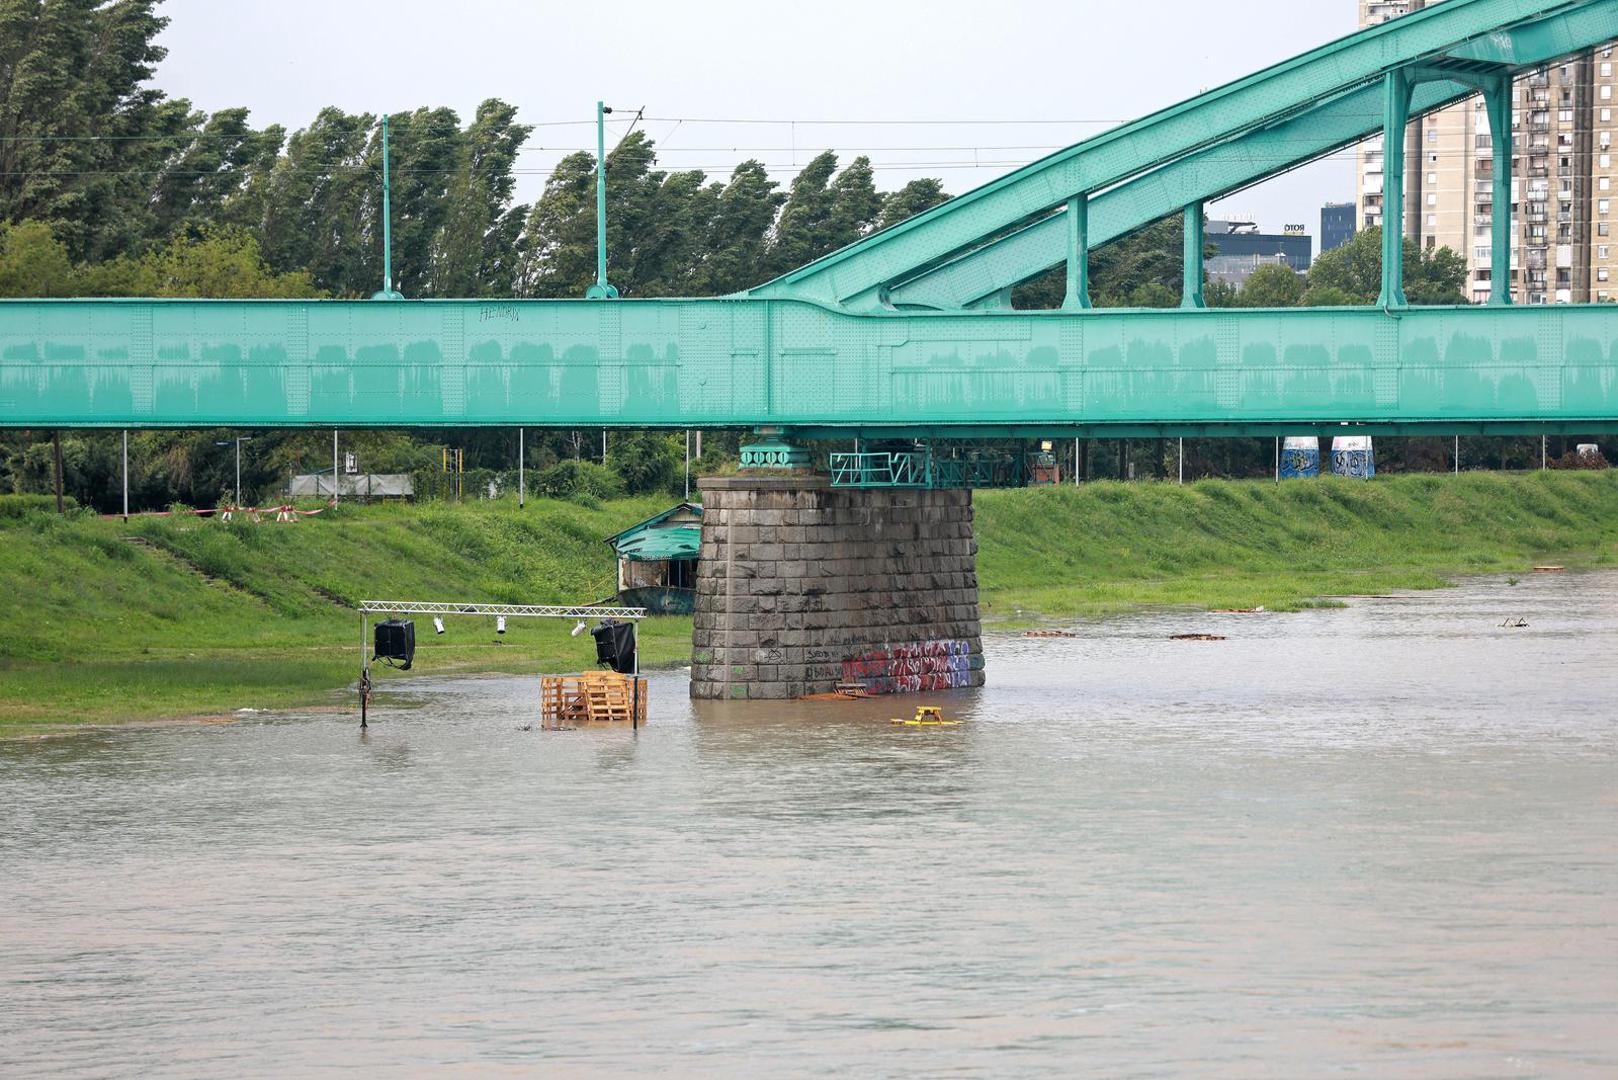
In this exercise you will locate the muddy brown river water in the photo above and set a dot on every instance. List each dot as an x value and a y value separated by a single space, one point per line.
1380 841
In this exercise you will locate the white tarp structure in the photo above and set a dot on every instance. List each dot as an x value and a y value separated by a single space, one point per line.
355 485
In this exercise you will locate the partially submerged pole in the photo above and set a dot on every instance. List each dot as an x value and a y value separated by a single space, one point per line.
126 474
365 669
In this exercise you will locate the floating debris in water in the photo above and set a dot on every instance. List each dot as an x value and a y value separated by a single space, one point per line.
1549 569
1518 623
926 716
1049 633
1239 610
1197 637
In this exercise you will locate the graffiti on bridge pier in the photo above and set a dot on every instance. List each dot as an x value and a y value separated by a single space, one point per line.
912 668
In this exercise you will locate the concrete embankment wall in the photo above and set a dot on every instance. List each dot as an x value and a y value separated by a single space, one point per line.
802 586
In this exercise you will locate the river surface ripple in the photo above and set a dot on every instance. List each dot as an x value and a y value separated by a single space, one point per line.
1375 842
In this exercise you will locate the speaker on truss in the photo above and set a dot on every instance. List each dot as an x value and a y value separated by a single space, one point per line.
396 642
615 646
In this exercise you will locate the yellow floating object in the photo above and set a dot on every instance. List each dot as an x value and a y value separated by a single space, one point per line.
926 716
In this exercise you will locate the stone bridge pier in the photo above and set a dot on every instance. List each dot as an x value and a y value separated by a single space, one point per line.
802 587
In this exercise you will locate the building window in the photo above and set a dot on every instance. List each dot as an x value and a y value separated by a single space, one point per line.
1606 161
1432 221
1601 273
1606 92
1606 70
1432 133
1432 178
1603 205
1603 229
1432 198
1603 251
1432 242
1604 184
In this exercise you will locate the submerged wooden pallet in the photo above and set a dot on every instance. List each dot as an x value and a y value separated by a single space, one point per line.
592 697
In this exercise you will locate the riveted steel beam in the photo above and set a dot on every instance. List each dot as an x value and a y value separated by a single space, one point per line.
792 365
1206 175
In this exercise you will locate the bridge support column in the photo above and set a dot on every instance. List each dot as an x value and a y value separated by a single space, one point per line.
1078 253
802 586
1195 228
1396 117
1497 98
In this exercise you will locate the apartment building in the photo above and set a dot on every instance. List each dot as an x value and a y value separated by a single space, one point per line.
1562 178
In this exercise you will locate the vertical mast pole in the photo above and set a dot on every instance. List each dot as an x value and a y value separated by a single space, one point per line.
602 289
388 292
387 214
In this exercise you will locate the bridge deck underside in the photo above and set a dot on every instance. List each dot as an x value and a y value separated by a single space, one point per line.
748 363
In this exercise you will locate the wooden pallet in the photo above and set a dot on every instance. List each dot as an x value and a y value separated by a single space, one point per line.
593 697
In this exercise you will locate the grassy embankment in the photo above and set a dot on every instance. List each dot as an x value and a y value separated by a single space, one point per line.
205 617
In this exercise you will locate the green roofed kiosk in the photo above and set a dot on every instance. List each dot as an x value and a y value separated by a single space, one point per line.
657 560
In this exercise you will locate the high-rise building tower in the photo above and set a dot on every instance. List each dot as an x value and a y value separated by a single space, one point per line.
1562 178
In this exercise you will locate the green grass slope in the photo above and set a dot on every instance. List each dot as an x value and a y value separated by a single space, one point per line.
106 621
1107 547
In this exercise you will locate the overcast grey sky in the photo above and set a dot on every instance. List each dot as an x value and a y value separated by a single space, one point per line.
1000 84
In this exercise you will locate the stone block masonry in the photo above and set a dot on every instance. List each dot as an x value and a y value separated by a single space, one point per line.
802 586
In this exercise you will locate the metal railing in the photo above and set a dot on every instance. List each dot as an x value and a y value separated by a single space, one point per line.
921 468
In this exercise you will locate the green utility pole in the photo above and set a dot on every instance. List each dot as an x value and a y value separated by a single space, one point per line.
602 289
388 291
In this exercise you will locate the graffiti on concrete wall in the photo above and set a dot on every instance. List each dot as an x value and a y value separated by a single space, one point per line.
912 668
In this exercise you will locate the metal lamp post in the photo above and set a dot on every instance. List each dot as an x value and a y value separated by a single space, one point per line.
238 440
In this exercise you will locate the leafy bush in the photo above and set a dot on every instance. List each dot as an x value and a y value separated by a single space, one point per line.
573 479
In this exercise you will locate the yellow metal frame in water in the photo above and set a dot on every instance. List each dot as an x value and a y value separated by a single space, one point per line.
926 716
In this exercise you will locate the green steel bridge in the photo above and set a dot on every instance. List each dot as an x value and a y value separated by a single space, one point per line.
909 333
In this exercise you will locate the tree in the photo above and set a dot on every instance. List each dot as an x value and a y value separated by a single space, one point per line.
1220 294
320 211
1354 270
217 177
561 255
426 147
81 137
215 264
648 462
33 262
1142 269
855 208
1272 286
800 233
476 250
738 232
1325 296
910 200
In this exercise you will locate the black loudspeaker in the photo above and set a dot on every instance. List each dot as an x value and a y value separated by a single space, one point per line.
396 642
615 646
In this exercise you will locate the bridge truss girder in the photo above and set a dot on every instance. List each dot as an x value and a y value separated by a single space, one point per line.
971 249
790 364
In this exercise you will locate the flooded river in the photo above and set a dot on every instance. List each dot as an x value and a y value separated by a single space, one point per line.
1380 841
